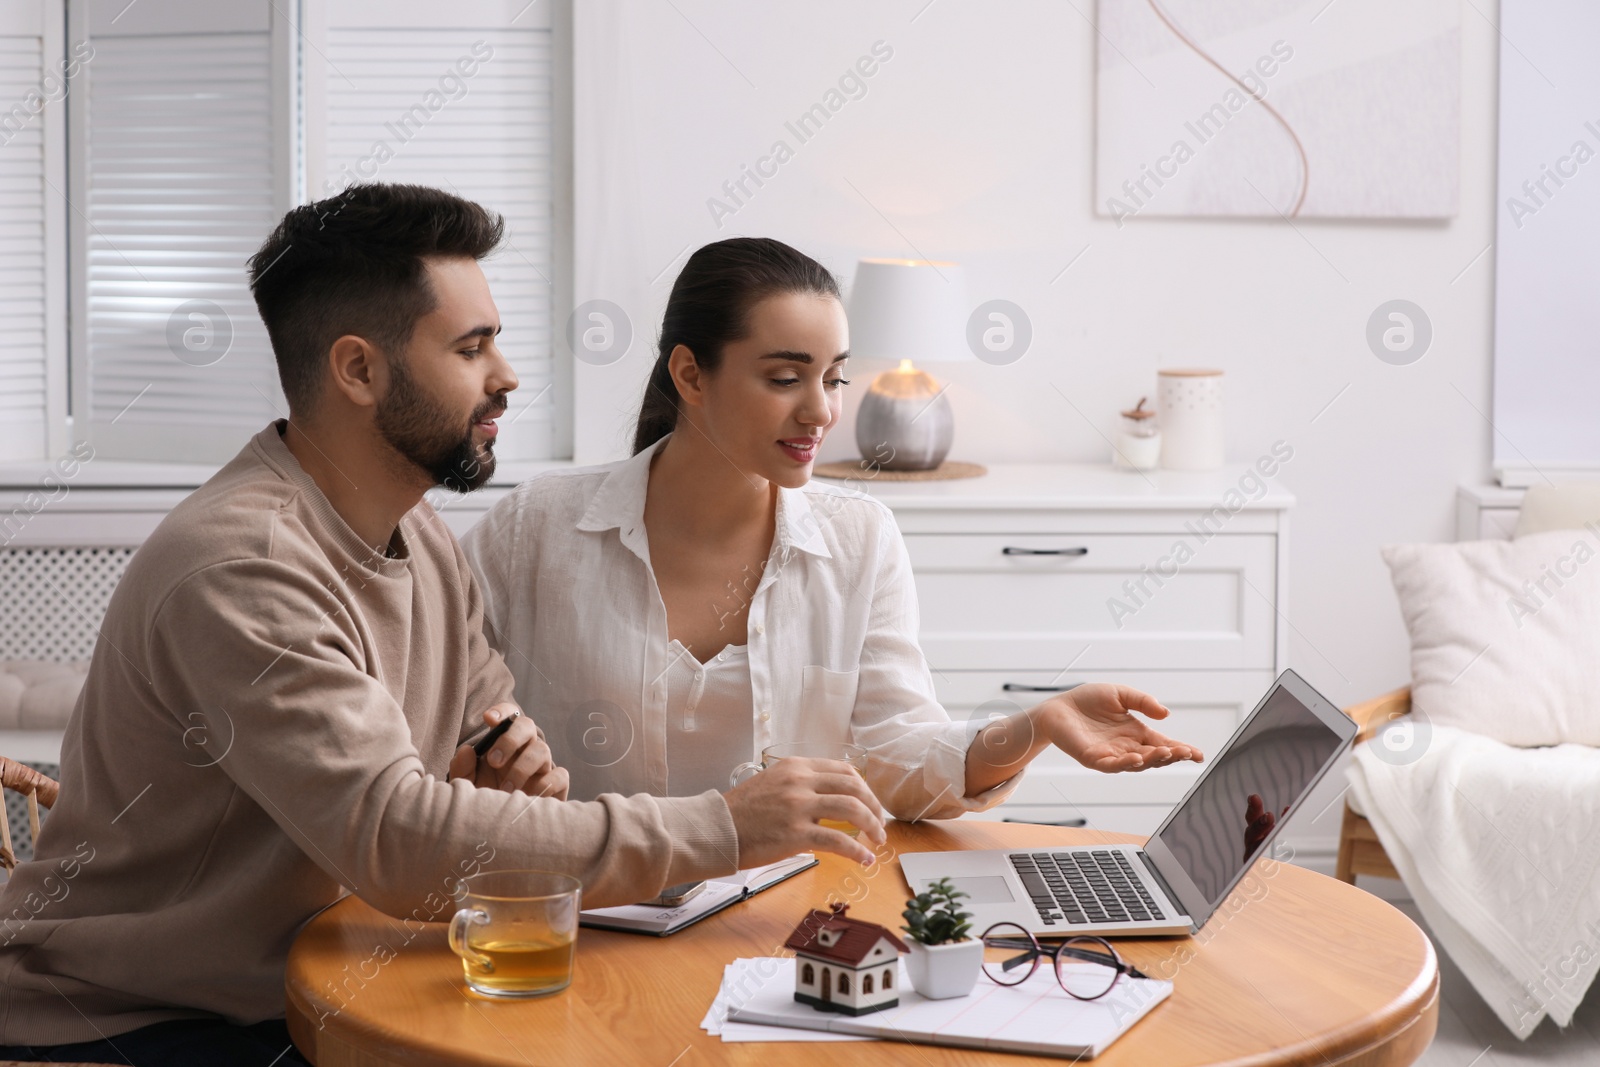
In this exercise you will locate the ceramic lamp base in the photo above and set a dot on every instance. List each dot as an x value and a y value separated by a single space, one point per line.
905 422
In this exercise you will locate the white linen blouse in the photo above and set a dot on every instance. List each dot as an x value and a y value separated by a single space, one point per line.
571 602
709 726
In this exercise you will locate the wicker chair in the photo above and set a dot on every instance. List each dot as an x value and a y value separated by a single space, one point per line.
39 789
1360 851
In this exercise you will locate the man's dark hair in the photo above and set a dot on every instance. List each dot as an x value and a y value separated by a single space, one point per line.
353 264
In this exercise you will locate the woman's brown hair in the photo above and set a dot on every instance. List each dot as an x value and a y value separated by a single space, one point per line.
710 306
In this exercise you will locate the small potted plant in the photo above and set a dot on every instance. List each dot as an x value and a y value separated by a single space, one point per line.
944 961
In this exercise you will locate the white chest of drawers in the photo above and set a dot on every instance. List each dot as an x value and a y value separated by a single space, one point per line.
1035 577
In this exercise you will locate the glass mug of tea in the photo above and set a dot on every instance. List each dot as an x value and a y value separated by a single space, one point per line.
854 755
516 932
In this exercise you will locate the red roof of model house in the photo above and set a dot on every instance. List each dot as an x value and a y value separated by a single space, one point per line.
829 935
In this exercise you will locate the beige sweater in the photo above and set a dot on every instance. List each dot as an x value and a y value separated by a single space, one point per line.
266 727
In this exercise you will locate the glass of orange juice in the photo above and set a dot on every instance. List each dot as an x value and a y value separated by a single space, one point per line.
844 752
516 932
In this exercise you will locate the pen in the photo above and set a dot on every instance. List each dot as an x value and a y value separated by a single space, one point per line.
483 744
494 735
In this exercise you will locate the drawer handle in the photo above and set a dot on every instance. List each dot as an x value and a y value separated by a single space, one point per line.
1011 550
1047 822
1018 687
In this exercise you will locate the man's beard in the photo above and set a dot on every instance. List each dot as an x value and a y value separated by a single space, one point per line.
430 438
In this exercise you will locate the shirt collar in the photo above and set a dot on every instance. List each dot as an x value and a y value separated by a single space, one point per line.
799 528
619 505
619 502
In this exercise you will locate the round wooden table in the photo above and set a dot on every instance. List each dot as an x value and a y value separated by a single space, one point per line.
1302 969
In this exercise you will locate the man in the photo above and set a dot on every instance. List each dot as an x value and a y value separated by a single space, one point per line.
280 707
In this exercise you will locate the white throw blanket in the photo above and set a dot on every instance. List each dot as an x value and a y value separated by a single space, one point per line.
1500 848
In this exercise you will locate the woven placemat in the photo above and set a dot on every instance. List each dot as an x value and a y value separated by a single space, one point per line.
862 470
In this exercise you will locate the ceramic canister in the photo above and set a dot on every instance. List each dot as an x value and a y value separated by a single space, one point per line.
1191 419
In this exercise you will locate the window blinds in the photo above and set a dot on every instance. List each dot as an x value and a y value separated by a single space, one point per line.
32 273
195 126
175 190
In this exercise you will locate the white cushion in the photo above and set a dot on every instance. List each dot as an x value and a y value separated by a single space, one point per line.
1505 635
39 696
1558 507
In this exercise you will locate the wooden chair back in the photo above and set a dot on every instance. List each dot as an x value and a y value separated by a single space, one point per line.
1360 851
40 790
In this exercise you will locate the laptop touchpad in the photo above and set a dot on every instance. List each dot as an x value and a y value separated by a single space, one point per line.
984 889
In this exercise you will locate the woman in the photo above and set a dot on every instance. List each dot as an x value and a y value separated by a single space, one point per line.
669 616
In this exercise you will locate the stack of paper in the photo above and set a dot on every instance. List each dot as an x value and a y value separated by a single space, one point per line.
1036 1017
739 980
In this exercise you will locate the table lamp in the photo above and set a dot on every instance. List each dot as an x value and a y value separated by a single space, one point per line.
912 311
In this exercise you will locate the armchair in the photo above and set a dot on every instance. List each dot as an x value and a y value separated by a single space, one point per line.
1360 851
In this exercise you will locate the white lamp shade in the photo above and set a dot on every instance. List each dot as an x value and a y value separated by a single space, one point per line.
909 309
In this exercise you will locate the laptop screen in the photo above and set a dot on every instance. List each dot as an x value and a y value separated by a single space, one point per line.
1223 824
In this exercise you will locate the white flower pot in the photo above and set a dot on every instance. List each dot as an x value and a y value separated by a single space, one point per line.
939 972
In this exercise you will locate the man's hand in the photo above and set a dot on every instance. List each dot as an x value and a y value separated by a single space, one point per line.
775 812
1258 823
519 760
1094 725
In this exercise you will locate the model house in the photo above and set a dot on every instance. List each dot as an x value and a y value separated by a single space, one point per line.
843 964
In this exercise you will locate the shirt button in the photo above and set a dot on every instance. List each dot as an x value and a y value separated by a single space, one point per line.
765 717
760 629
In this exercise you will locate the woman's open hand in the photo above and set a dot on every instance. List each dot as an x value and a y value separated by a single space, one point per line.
1095 724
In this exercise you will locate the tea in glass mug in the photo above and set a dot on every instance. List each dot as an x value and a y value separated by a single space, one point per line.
854 755
516 932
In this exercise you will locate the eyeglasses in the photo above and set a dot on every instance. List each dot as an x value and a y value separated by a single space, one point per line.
1087 967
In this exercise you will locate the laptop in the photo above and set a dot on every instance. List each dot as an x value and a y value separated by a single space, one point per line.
1194 859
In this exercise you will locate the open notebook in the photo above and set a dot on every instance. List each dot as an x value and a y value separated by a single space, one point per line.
1036 1017
718 894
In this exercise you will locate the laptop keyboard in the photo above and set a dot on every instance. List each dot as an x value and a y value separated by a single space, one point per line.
1084 886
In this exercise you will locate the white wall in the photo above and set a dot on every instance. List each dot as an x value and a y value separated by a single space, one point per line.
975 143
